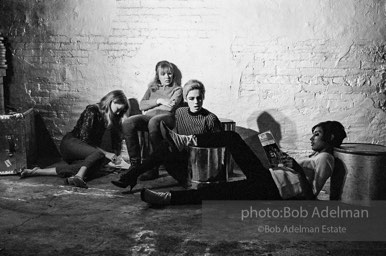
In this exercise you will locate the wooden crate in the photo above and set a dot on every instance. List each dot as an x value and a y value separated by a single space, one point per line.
17 142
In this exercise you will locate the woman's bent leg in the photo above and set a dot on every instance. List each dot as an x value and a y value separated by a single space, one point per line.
155 140
130 128
154 127
73 150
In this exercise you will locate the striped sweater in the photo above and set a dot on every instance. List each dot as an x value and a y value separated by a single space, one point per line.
188 123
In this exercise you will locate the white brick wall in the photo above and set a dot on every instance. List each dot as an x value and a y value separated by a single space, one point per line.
299 62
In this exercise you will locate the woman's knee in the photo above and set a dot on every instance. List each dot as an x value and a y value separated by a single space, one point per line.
73 149
155 122
93 158
131 124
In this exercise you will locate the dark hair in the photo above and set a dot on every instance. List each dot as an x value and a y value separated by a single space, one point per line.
164 65
333 132
193 85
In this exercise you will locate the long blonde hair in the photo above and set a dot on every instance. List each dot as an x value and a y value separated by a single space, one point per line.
116 96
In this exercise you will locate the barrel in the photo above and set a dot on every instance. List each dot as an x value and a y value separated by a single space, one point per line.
360 173
207 165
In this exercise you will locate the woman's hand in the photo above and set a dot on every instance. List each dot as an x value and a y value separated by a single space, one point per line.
287 161
113 158
165 102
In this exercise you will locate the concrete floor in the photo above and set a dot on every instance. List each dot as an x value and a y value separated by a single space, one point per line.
41 216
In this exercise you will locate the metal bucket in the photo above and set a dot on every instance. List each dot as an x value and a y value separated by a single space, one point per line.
207 165
360 173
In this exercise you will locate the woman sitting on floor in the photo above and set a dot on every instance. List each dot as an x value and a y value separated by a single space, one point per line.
95 136
193 119
260 183
159 103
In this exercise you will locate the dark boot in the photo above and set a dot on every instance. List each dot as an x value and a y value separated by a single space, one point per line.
129 177
155 198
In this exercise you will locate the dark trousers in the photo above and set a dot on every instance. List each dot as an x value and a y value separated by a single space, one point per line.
133 124
176 163
78 153
259 184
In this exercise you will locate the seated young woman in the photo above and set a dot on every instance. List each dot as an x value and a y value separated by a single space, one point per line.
193 119
159 103
95 139
260 183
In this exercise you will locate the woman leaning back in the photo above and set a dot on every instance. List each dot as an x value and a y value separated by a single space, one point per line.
162 97
260 183
95 140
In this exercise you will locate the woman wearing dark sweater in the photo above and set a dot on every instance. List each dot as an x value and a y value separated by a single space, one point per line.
193 119
95 138
159 103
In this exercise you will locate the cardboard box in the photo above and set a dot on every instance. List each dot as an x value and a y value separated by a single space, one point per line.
17 142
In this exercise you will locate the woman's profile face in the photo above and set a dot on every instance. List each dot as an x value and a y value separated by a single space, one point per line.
117 108
165 76
195 100
317 142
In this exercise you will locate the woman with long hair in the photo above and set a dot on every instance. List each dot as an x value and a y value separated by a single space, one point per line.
95 139
162 97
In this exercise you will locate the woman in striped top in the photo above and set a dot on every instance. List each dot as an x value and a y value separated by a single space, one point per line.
193 119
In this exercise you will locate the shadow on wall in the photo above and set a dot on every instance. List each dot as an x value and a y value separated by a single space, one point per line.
133 107
274 121
265 122
178 79
47 152
177 74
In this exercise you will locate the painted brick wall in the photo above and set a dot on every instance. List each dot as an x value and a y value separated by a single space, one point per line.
281 65
2 104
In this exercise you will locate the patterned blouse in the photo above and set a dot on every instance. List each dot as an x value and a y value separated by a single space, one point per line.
90 126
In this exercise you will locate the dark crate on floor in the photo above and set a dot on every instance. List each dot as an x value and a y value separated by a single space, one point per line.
17 142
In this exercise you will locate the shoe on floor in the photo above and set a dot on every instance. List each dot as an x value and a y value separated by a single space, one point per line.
28 172
76 181
155 198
